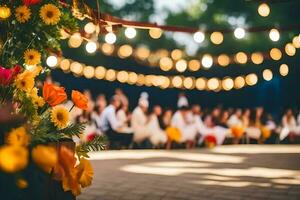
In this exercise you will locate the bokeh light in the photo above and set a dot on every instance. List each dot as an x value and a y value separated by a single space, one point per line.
194 65
130 32
257 58
91 47
88 72
207 61
290 49
283 69
239 33
110 38
263 10
274 35
223 60
251 79
181 65
216 38
155 33
267 74
275 54
241 57
199 37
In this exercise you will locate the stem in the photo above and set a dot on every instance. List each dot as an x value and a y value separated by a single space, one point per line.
72 107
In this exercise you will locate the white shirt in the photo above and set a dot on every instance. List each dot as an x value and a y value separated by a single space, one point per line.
178 121
138 118
108 119
234 121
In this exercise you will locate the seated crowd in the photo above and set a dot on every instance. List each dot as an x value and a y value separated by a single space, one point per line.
188 126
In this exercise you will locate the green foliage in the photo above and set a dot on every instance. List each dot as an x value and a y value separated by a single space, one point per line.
73 130
97 144
17 37
27 108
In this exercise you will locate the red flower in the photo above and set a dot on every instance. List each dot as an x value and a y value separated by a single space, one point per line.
8 75
31 2
211 139
90 137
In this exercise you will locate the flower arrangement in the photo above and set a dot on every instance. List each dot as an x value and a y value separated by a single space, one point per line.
38 159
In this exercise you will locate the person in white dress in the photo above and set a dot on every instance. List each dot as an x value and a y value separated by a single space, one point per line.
139 120
235 120
289 125
188 130
124 118
158 136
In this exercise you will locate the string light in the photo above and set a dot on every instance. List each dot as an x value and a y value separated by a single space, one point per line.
290 49
216 38
130 32
194 65
91 47
65 64
283 69
75 40
239 82
201 83
52 61
100 72
239 33
274 35
90 28
142 53
207 61
155 33
223 60
166 63
181 65
296 42
267 74
76 68
125 51
275 54
251 79
110 38
257 58
199 37
227 84
176 54
88 72
122 76
241 58
188 83
213 84
263 10
110 75
107 49
177 81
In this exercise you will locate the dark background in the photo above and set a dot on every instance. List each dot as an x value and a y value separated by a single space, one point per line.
274 95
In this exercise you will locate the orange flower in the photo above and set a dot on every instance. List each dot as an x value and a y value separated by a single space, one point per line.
79 100
53 94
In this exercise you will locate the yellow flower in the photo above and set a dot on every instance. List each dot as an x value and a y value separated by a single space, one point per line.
32 57
18 137
23 14
37 100
60 116
22 184
13 158
50 14
45 157
25 81
85 172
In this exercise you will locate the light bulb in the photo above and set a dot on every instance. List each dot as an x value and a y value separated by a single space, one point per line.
239 33
199 37
274 35
130 32
207 61
51 61
91 47
110 38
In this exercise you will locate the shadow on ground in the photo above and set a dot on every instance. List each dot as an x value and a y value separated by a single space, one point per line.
227 172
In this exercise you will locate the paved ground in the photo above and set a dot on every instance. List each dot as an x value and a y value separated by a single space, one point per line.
228 172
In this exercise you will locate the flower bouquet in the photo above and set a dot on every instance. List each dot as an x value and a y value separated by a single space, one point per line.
38 158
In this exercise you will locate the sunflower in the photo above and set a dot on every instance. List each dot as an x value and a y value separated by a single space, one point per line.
23 14
18 137
60 116
25 81
32 57
13 158
50 14
35 98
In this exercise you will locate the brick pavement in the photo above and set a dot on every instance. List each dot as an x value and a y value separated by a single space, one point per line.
262 172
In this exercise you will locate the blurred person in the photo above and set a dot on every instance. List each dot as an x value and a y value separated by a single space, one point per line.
182 100
140 120
235 119
188 131
124 116
253 131
91 102
246 117
289 125
101 103
119 92
224 118
110 125
158 136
